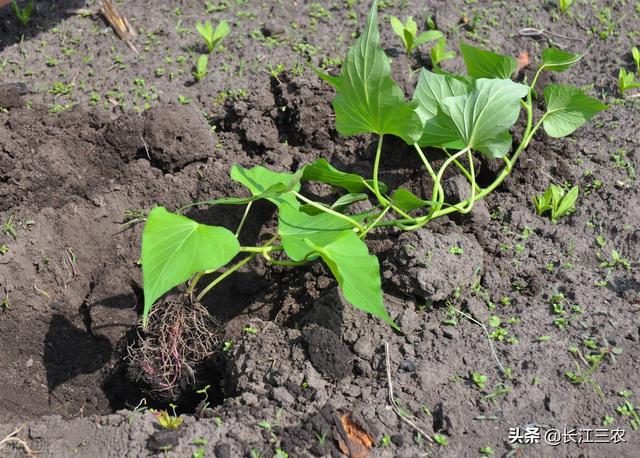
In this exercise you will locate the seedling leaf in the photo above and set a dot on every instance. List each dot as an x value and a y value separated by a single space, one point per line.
323 172
408 201
567 109
295 226
174 248
556 60
432 89
487 64
357 273
482 117
368 99
260 180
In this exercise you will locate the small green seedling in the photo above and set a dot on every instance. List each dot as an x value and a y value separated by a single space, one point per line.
201 67
439 53
479 380
466 116
23 14
556 201
564 5
635 53
627 81
441 440
212 37
169 421
407 33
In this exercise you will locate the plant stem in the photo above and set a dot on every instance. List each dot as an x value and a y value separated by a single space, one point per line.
351 221
225 274
244 217
374 222
509 164
437 194
376 167
463 169
425 162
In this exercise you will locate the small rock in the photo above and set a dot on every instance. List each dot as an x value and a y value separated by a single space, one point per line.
37 431
222 450
432 266
29 362
407 365
478 309
11 94
283 396
328 353
364 347
410 321
398 440
272 28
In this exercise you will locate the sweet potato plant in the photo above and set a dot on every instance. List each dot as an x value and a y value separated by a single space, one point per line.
462 115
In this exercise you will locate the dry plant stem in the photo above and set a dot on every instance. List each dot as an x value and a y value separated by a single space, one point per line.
13 439
486 331
408 419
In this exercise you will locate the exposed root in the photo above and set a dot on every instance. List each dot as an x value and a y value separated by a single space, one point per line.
409 419
13 439
179 337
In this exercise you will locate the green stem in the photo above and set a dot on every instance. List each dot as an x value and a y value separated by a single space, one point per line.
374 222
509 164
351 221
473 184
376 167
463 169
225 274
426 162
437 194
535 78
244 217
194 282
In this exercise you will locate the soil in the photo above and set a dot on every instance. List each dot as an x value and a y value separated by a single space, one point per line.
80 158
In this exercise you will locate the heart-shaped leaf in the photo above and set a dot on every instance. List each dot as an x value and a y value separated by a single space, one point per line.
408 201
567 109
487 64
556 60
482 117
357 273
368 99
174 248
323 172
262 181
295 226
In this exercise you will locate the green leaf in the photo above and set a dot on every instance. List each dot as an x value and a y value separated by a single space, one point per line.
222 30
482 117
260 180
567 203
348 199
368 99
439 53
556 60
398 28
323 172
408 201
567 109
487 64
432 89
295 226
429 35
174 248
357 273
340 204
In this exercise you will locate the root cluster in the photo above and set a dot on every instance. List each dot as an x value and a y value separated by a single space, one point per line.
180 336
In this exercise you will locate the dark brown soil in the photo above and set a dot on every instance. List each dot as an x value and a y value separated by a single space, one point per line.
71 283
